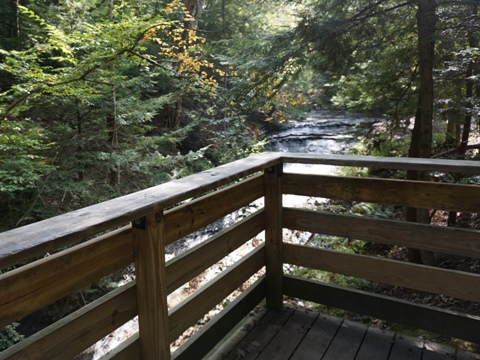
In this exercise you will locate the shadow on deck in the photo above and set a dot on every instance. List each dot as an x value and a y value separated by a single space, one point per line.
298 333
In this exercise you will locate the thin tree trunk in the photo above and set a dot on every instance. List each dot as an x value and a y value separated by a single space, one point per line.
114 169
15 20
472 70
421 143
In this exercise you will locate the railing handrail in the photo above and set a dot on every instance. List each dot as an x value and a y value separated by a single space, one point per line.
36 239
378 162
39 238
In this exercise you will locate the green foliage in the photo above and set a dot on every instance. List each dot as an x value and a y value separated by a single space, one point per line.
9 336
104 101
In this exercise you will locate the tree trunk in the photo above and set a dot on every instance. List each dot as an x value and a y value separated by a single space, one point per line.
472 71
421 143
114 168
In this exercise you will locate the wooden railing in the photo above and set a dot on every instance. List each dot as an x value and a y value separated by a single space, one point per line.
88 244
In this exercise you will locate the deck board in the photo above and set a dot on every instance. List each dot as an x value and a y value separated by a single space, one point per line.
290 336
318 339
299 334
347 341
376 345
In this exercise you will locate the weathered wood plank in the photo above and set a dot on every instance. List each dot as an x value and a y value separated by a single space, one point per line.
447 322
463 355
90 324
194 307
406 348
346 342
418 277
128 350
35 240
418 194
274 236
198 213
260 336
376 345
288 338
448 240
215 330
192 262
152 287
435 351
318 339
378 162
38 284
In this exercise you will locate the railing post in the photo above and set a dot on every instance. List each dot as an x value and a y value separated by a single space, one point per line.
274 236
149 234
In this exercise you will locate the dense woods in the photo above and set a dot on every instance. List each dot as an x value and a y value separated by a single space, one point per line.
101 98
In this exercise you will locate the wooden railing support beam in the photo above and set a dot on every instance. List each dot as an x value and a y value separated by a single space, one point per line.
274 236
149 235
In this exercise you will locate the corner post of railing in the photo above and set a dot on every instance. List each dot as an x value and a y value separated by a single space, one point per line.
274 236
149 235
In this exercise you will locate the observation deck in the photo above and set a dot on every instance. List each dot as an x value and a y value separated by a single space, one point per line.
90 243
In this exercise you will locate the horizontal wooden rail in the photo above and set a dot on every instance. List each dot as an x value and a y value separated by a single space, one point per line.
448 240
418 277
36 285
194 261
379 162
90 324
187 312
447 322
206 338
129 349
386 191
196 214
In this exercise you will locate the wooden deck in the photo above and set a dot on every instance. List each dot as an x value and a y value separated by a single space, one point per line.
297 333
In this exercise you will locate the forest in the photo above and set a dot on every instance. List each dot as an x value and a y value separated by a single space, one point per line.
100 98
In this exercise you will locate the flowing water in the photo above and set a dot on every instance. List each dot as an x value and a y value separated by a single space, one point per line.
322 132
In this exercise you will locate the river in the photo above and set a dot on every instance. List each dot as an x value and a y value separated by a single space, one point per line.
321 133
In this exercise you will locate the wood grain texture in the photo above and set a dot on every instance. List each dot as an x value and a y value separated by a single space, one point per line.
274 236
152 288
198 213
418 277
194 261
194 307
36 285
290 336
452 197
261 335
378 162
406 348
217 328
347 341
35 240
447 322
436 351
90 324
449 240
318 339
376 345
127 350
